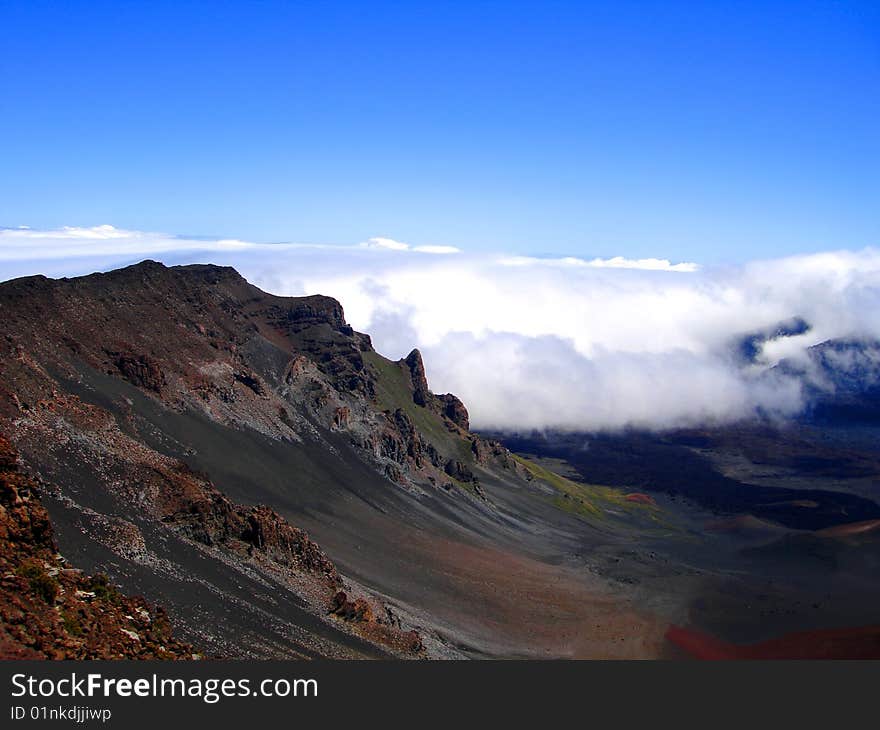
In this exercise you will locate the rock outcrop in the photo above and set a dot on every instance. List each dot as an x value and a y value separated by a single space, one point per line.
446 405
454 410
141 370
203 514
421 393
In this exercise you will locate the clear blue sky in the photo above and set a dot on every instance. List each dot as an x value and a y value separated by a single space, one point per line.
703 131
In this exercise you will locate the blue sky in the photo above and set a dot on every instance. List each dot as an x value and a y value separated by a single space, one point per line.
709 132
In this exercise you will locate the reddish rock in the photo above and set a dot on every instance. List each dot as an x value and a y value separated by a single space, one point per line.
192 505
356 611
341 417
141 370
50 611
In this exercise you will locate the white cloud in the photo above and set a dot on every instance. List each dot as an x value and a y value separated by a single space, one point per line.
389 244
102 233
617 262
442 250
23 244
27 244
531 342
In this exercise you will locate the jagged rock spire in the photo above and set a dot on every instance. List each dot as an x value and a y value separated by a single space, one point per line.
421 393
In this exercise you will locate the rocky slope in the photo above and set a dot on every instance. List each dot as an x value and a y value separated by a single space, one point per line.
186 429
202 340
52 610
49 609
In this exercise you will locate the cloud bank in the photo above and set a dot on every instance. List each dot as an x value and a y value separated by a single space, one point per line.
531 342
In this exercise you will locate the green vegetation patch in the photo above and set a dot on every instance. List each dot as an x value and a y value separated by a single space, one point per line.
41 583
71 623
587 500
102 588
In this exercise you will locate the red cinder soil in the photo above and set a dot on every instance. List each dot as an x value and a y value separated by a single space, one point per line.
850 643
639 498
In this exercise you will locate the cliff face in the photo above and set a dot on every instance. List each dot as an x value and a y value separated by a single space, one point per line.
104 380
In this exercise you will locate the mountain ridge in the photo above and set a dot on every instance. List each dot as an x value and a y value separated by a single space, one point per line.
193 433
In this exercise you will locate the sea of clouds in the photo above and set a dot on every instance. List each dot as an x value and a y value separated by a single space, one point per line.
528 342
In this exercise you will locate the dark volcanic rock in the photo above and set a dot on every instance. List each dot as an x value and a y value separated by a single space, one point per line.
457 470
251 381
455 411
421 393
141 370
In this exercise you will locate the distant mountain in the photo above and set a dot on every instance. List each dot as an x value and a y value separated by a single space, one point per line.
841 380
840 377
748 347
